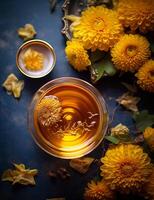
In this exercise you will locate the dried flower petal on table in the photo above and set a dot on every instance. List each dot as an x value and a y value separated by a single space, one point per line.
27 32
81 165
13 85
33 60
20 175
128 101
120 129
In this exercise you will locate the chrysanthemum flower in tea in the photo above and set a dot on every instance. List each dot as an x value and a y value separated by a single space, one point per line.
49 111
131 52
136 14
98 191
126 168
98 28
145 76
149 137
33 60
77 55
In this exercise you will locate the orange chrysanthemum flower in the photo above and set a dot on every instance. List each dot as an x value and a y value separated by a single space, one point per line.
145 76
130 52
149 137
149 187
98 28
98 191
136 14
77 55
126 168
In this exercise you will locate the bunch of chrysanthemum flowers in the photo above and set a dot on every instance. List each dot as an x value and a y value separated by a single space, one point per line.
122 32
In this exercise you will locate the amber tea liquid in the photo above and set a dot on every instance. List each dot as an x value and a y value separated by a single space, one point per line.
80 121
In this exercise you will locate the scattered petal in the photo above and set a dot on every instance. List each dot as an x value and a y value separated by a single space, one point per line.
128 101
20 175
13 85
81 165
120 129
27 32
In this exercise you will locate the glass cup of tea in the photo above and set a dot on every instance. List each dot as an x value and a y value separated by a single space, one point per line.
68 117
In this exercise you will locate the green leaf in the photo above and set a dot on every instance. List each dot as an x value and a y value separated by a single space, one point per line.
143 120
109 68
112 139
102 68
97 71
124 138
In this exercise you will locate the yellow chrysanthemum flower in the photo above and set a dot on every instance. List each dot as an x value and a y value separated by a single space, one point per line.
136 14
49 111
149 137
98 191
145 76
126 168
149 187
98 28
77 55
130 52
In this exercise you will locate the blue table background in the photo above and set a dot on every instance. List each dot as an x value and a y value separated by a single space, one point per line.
16 144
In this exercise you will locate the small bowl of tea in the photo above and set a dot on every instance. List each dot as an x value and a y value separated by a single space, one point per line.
35 58
68 117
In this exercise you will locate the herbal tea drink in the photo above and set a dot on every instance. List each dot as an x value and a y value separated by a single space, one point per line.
69 118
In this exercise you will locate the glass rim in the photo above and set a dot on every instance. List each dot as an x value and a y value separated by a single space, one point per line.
93 141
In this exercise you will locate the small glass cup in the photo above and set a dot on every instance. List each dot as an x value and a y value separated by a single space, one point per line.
78 150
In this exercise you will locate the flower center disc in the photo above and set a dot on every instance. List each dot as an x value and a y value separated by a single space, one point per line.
127 170
131 50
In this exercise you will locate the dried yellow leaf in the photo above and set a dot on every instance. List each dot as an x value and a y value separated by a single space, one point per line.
33 60
27 32
20 175
81 165
128 101
119 130
13 85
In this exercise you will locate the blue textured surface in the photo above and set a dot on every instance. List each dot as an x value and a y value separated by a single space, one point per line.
16 144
